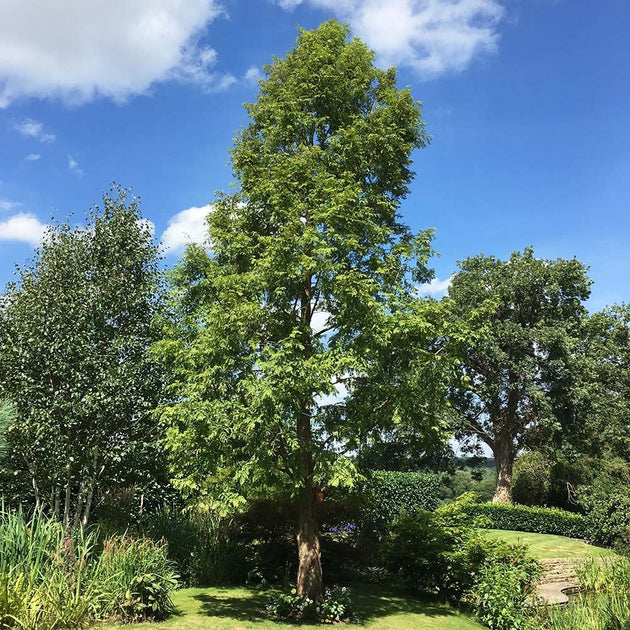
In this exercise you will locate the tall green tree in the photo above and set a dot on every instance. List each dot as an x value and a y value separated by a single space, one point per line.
277 324
74 331
518 366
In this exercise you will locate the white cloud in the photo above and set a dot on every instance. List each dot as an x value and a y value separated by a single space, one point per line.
24 226
436 287
73 167
76 51
5 205
430 36
32 157
32 129
187 226
252 75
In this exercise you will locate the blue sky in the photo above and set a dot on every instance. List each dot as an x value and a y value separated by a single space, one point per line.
526 100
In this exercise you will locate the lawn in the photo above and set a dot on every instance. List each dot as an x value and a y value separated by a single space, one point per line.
549 546
239 609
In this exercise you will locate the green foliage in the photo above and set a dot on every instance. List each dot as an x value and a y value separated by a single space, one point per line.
454 483
531 519
503 583
51 577
7 417
604 603
384 495
73 338
607 503
205 548
135 580
313 233
435 552
335 607
518 362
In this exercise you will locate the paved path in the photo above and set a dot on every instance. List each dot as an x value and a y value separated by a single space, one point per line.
559 575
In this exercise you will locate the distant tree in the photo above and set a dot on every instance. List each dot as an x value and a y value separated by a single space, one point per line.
518 365
280 324
74 331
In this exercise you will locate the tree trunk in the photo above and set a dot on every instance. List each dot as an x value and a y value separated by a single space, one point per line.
309 580
504 462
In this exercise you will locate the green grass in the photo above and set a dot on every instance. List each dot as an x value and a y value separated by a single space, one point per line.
550 546
239 609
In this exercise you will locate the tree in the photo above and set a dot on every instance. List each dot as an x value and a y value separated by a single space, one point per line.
518 366
73 338
276 324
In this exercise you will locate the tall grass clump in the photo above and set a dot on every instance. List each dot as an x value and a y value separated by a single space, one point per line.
603 604
53 578
206 548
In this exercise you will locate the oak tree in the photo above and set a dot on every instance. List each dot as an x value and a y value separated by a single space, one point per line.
518 364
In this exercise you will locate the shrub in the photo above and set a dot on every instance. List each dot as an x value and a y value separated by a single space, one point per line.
334 608
531 519
503 583
608 514
386 494
436 552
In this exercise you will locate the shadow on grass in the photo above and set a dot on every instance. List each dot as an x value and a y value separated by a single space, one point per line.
224 604
371 602
368 602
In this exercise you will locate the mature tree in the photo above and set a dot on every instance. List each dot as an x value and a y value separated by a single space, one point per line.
278 322
518 367
74 333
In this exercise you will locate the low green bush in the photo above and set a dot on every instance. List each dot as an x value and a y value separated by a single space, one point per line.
436 552
204 547
335 607
501 586
531 519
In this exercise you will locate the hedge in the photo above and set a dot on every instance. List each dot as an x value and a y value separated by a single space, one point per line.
539 520
385 494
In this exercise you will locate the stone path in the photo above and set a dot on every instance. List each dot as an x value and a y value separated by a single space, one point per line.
559 575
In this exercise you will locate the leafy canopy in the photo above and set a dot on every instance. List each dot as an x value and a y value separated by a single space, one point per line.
278 322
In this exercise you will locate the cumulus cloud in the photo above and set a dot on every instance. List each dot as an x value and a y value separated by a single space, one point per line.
32 129
187 226
32 157
73 167
24 227
436 287
431 36
77 51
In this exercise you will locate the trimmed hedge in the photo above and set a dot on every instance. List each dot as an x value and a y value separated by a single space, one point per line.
387 494
539 520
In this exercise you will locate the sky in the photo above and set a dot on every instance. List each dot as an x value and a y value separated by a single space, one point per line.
527 102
